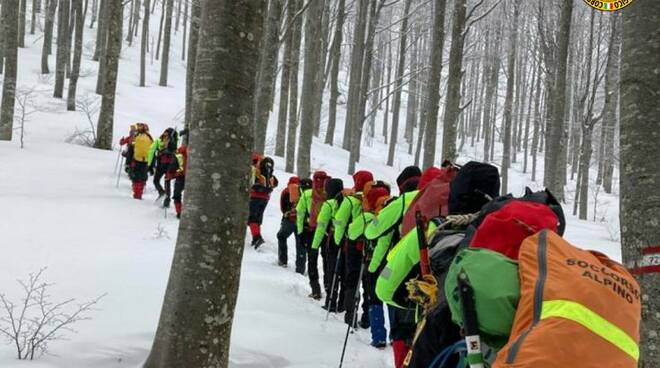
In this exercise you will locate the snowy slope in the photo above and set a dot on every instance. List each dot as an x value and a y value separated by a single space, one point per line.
61 210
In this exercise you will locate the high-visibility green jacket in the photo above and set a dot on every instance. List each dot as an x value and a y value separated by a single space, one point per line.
390 217
327 212
358 225
381 249
156 146
303 210
349 210
400 261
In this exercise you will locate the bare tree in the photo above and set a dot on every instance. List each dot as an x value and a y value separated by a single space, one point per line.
280 137
640 168
102 40
36 321
62 47
167 35
77 54
293 88
144 44
195 16
107 114
335 61
508 101
433 87
10 32
48 35
398 81
308 99
610 119
555 172
195 324
455 78
266 74
22 17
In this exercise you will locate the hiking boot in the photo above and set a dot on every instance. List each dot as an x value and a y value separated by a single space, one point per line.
166 203
315 296
258 241
364 322
380 345
282 264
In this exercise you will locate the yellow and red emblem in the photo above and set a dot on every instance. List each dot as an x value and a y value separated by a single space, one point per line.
608 5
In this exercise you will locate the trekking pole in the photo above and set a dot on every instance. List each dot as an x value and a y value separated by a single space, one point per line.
117 162
423 245
356 305
121 162
333 284
470 325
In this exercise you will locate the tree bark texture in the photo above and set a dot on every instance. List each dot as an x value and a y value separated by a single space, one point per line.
398 83
167 36
266 74
62 47
198 310
308 99
640 168
10 31
433 87
106 119
77 6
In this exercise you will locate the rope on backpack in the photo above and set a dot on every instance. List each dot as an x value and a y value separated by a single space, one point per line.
423 291
461 220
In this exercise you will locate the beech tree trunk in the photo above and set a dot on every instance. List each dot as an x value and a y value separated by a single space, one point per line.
10 32
144 42
167 35
266 75
33 20
610 119
196 318
640 168
105 124
398 82
433 86
282 114
48 35
195 19
62 47
292 133
555 131
22 17
103 42
77 7
308 100
453 101
356 68
335 60
508 101
100 31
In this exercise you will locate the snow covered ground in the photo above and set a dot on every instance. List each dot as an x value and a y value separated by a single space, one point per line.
62 210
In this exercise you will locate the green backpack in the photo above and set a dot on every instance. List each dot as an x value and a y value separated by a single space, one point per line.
494 280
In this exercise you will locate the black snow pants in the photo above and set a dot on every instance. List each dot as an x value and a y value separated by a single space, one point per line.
306 238
354 263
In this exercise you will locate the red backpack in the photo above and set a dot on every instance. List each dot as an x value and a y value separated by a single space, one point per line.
433 198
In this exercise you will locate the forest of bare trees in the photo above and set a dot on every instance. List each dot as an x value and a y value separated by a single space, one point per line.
549 88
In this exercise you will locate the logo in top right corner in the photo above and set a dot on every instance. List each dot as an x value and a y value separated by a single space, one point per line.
608 5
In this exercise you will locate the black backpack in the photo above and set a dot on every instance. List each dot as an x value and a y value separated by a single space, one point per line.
266 167
475 185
